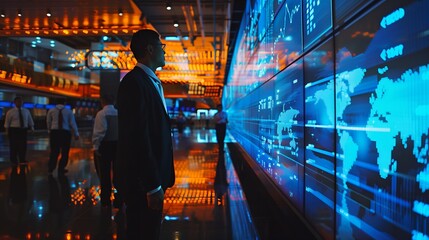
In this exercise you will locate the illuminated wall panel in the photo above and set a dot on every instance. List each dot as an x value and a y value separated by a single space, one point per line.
330 99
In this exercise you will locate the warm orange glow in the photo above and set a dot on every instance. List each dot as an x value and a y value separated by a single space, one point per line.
68 236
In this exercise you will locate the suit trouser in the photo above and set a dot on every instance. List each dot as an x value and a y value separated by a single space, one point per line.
142 222
59 141
103 166
220 135
17 144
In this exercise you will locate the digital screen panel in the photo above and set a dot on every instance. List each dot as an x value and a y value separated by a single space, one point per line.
287 34
264 59
361 136
264 12
346 9
317 20
382 123
288 141
246 122
269 126
319 138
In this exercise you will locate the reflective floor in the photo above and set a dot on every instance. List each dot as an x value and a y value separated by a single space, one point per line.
34 205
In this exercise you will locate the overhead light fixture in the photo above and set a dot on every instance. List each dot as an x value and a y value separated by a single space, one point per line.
176 24
2 14
19 13
120 12
168 6
48 13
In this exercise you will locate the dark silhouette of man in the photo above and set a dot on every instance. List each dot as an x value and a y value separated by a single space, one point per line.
221 119
145 169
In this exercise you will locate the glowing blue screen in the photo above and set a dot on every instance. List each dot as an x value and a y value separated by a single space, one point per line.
338 117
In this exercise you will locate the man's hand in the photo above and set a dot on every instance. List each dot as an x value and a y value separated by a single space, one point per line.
155 200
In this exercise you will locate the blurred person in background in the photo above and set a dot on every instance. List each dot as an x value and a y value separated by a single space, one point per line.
61 124
104 140
221 119
17 122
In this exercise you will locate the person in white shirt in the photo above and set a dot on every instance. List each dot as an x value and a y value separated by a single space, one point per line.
18 121
60 122
221 119
104 140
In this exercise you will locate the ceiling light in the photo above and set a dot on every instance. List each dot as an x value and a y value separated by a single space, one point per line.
120 12
19 13
48 13
176 24
2 14
168 6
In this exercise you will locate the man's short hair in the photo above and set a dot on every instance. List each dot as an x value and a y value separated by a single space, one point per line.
141 39
17 98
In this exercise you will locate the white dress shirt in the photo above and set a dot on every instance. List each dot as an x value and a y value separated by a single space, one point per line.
100 124
69 122
12 118
221 117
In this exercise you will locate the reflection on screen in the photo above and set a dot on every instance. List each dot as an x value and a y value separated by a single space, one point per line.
346 9
319 138
339 119
287 34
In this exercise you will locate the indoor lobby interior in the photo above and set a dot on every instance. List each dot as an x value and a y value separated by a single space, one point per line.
327 104
36 205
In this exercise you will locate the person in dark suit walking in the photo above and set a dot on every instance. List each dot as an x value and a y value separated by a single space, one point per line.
145 169
61 123
17 122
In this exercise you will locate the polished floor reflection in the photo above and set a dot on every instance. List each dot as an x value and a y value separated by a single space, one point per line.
35 205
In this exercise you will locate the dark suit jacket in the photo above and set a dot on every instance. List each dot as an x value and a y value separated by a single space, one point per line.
145 150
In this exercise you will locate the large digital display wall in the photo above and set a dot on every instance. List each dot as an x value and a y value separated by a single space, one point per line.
331 99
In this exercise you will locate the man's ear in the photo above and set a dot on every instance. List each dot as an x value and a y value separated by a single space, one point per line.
149 49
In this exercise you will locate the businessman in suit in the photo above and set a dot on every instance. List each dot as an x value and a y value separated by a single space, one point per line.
145 166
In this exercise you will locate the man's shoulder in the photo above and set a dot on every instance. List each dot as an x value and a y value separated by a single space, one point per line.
133 73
